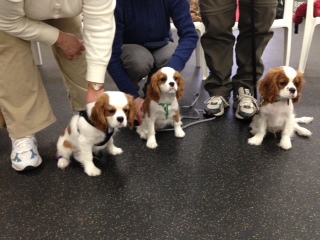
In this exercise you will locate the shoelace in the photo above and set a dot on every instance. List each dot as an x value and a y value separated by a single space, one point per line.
216 100
23 143
247 99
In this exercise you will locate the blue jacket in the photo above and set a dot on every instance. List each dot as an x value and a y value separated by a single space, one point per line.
141 21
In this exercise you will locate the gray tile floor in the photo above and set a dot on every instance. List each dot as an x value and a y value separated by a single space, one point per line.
209 185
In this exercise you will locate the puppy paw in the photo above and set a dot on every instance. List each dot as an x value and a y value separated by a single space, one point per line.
152 144
179 133
142 134
303 132
92 170
63 163
285 144
255 140
305 120
115 150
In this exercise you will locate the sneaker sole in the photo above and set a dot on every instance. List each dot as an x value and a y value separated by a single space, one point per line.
244 118
213 114
28 167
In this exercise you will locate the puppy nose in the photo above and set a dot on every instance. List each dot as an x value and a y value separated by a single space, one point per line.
292 90
120 119
171 84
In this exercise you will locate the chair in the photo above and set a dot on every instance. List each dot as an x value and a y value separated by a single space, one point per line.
285 22
311 23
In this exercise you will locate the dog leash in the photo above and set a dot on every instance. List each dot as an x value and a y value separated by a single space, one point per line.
253 49
196 113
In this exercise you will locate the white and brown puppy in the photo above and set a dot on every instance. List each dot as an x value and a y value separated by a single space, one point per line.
161 106
92 130
279 90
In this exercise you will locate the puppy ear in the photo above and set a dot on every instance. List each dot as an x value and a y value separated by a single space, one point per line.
98 117
132 111
153 90
181 85
268 87
299 82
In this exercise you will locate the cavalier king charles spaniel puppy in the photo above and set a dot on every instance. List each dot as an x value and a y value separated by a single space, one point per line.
279 90
92 130
161 106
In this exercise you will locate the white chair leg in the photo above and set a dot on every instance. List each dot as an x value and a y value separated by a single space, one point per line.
36 52
306 44
287 46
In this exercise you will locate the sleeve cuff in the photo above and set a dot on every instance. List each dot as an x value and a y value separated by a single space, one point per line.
96 73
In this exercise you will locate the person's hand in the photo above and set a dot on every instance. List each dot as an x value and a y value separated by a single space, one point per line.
139 109
70 45
92 93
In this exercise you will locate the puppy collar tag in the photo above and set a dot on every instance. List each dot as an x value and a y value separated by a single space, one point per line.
166 108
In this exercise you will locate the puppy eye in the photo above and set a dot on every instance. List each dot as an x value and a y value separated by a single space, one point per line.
283 84
111 112
125 111
175 78
163 79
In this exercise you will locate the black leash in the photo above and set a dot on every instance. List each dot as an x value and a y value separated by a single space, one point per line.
253 49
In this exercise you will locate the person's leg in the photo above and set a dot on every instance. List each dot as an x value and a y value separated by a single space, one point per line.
23 100
217 43
265 11
137 61
73 72
243 85
161 57
2 121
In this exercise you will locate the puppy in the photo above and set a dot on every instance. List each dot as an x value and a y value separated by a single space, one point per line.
92 130
161 106
279 90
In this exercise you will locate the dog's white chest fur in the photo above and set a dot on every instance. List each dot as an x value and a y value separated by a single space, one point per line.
277 114
164 113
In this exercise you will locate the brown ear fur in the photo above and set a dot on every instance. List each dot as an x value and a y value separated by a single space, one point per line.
153 90
181 85
299 82
268 87
98 117
132 111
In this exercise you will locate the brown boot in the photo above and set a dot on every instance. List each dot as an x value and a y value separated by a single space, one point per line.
2 121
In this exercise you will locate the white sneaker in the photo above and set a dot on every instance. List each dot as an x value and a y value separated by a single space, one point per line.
24 155
215 105
246 105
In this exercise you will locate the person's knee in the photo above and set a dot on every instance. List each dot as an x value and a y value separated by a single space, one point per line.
140 64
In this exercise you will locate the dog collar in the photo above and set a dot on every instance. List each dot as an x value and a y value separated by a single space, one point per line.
109 132
166 108
288 101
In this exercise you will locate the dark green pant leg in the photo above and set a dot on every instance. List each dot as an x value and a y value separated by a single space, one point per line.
265 11
217 43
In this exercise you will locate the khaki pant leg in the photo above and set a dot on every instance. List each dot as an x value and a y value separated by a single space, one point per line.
73 72
23 99
2 121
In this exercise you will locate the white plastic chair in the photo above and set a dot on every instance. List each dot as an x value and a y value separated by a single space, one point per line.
311 23
285 23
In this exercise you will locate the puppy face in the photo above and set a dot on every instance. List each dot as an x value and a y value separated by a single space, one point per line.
281 83
166 80
113 109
